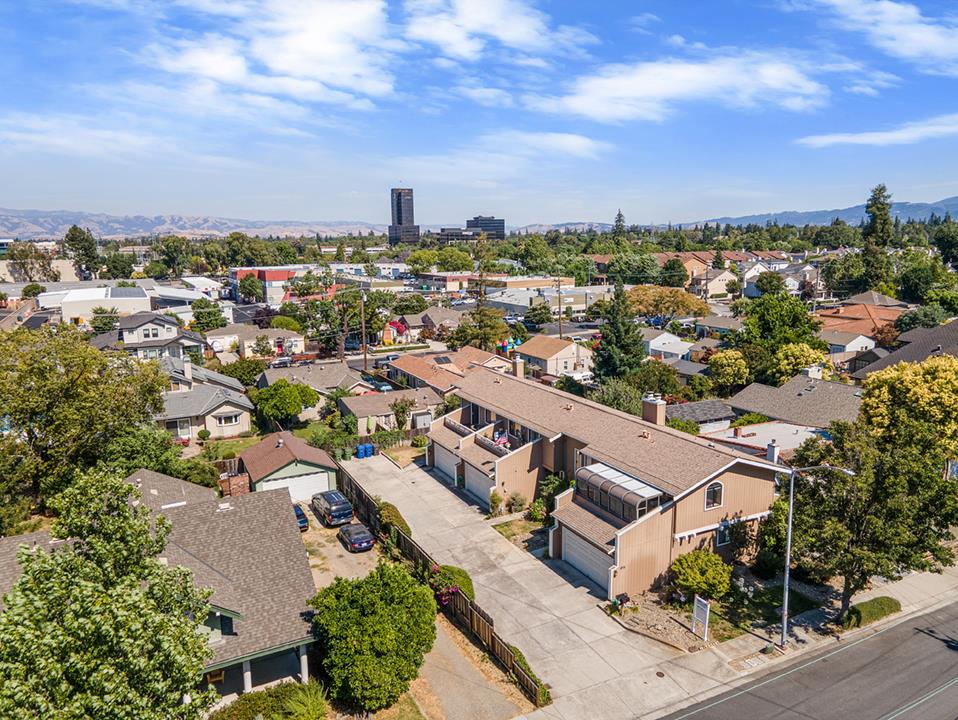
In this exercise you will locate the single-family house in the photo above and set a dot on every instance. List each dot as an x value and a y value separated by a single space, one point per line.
643 493
717 325
845 342
687 369
150 336
806 399
663 345
860 319
201 399
711 283
245 337
258 626
555 356
918 344
282 460
374 412
432 319
323 377
709 415
877 299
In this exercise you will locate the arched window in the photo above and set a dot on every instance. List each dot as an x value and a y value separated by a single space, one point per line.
713 496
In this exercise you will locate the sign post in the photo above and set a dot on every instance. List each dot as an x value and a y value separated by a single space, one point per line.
700 617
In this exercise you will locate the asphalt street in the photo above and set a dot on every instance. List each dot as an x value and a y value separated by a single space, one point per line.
904 672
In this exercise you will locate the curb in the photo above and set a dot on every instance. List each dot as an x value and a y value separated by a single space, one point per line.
667 643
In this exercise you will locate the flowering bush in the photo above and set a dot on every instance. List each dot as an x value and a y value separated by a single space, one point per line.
445 580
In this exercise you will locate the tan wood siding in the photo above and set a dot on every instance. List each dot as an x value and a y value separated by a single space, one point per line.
520 471
745 491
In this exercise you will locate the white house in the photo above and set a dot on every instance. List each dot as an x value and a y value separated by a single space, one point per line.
664 345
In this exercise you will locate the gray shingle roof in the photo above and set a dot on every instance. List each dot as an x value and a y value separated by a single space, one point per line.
802 401
939 340
703 411
174 368
671 460
376 404
267 456
687 368
201 400
322 377
158 490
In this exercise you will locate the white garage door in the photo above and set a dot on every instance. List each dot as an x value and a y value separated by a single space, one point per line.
586 558
301 487
445 461
479 485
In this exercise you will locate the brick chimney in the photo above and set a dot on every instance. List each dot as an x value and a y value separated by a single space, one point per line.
518 366
653 409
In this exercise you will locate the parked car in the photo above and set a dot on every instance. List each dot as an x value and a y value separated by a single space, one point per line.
281 362
301 520
384 361
356 537
332 507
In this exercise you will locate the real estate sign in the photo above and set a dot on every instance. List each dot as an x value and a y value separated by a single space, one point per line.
700 618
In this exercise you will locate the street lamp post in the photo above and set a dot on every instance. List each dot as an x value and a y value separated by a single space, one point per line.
788 537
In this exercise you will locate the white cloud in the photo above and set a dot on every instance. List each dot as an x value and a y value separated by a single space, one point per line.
73 136
535 143
488 96
906 134
650 90
640 23
463 28
901 30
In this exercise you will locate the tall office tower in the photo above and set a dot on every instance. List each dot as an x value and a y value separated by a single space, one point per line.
494 228
403 227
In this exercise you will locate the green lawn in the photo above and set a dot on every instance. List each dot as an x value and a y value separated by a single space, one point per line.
736 614
216 449
306 431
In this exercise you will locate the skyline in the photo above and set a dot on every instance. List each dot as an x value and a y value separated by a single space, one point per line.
539 112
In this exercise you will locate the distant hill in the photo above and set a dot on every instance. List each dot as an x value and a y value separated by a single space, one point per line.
43 224
562 227
851 215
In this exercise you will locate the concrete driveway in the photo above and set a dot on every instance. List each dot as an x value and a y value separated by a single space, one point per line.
548 610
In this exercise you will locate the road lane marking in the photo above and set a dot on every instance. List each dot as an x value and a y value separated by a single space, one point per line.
923 699
796 669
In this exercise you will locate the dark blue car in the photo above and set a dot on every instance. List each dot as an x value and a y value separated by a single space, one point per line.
301 520
332 508
356 537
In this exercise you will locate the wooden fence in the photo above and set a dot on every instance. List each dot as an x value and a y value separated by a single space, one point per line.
463 610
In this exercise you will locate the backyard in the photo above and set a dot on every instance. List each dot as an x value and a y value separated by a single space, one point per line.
527 534
222 449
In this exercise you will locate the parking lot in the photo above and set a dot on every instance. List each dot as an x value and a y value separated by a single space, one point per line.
327 556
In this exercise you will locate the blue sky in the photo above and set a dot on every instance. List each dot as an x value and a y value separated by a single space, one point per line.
532 110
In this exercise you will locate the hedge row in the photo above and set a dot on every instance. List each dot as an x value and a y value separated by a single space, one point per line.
865 613
545 697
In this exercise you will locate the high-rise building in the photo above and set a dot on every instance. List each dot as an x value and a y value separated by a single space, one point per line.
494 228
403 227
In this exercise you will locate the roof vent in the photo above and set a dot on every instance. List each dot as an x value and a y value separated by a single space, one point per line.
280 442
223 507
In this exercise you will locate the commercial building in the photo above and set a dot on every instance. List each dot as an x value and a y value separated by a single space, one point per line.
493 227
403 228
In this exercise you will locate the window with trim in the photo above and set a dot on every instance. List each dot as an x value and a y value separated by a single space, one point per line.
722 535
713 496
228 420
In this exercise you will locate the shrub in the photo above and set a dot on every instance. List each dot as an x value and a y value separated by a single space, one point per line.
545 697
687 426
261 704
203 435
537 510
702 572
751 418
420 441
767 564
865 613
516 502
374 633
741 540
307 701
228 455
390 517
495 503
443 579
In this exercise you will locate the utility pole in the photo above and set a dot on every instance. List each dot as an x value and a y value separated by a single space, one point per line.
362 320
559 300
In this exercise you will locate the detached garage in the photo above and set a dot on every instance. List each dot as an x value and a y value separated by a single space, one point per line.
587 542
282 460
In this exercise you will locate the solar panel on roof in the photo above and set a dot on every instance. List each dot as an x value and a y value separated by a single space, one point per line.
127 292
443 361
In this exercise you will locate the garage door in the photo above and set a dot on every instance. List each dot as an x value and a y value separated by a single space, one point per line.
586 558
479 485
301 487
445 461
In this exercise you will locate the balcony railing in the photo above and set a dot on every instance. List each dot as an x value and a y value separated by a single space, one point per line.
456 427
490 445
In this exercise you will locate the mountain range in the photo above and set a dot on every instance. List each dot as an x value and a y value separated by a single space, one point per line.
53 224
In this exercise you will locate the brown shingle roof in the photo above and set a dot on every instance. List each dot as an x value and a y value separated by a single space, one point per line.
158 490
670 460
267 456
543 347
861 319
589 521
376 404
427 372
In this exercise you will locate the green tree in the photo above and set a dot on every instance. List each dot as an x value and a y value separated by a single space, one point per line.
103 319
687 426
28 263
251 289
340 255
410 304
919 275
620 350
879 228
791 359
877 266
451 259
633 268
674 274
119 265
282 401
926 316
728 371
175 252
666 303
99 627
946 239
718 261
156 269
618 226
64 401
31 290
775 320
283 322
539 314
207 315
247 371
263 347
769 282
80 244
374 634
845 276
620 394
422 261
483 328
654 376
401 408
702 572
